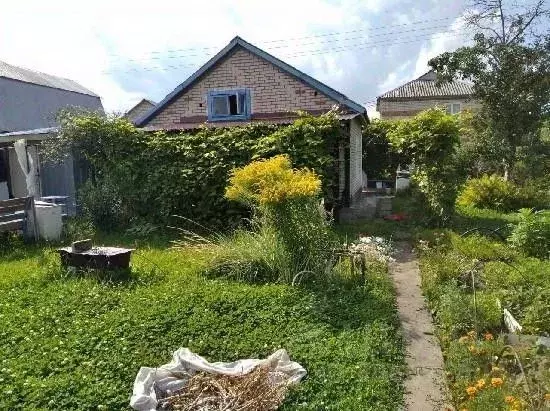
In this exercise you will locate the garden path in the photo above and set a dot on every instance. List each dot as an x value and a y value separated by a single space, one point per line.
425 386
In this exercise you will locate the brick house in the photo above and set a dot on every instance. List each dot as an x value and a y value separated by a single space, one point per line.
417 95
243 84
139 109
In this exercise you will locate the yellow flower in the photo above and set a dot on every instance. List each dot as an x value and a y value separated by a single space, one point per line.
496 382
489 337
472 334
547 396
480 384
472 349
463 339
509 399
471 391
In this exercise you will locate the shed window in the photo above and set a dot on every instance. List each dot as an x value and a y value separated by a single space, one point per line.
453 108
229 105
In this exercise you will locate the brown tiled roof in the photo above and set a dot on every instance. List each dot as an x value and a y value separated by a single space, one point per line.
425 86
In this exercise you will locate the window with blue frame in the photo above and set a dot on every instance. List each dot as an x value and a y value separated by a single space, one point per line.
229 105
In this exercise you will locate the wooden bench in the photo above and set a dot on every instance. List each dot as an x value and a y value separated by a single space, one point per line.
15 213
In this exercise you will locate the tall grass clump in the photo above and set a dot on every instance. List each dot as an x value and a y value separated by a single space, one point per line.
291 234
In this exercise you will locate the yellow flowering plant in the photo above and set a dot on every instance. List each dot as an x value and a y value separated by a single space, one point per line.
288 201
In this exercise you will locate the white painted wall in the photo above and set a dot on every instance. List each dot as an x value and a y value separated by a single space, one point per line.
356 157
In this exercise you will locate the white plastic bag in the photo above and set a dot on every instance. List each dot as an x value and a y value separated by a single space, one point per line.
173 376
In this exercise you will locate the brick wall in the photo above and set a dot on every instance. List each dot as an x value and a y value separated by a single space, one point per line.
271 89
138 110
394 110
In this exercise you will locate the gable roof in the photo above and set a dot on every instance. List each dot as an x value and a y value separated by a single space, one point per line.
140 108
42 79
425 86
239 42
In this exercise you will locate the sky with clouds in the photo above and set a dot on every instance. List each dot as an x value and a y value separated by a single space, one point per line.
127 50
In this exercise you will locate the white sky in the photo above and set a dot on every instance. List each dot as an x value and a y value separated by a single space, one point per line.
126 50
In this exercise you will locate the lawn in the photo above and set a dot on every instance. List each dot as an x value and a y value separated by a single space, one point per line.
77 343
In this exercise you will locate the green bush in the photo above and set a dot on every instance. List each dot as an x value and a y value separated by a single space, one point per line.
152 176
491 192
430 140
102 204
532 234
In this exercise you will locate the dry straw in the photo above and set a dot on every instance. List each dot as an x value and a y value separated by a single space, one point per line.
261 389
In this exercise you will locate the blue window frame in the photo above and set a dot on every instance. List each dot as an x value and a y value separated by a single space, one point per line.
229 105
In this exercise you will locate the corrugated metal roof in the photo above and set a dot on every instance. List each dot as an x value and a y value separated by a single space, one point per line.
425 86
43 79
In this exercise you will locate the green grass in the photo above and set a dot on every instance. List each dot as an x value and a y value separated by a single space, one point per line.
77 343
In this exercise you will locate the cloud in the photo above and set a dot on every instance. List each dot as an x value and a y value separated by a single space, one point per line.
125 50
457 36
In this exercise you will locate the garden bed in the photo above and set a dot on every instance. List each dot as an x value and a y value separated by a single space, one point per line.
468 281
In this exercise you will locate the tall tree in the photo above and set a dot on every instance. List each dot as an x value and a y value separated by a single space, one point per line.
509 64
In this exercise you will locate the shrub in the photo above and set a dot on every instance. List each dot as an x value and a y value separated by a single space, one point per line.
532 234
429 140
102 204
492 192
287 201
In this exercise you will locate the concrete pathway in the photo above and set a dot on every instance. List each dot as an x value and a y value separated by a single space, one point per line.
425 385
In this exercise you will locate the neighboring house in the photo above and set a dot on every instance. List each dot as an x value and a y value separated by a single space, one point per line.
417 95
29 104
139 109
243 84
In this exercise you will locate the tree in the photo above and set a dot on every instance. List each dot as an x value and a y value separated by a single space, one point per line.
509 64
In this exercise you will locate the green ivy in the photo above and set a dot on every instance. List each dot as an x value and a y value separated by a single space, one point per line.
160 174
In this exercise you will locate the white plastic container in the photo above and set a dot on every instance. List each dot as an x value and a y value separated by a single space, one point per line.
49 220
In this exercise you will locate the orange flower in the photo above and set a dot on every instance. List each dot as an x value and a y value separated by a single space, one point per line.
471 391
480 384
496 382
509 399
489 337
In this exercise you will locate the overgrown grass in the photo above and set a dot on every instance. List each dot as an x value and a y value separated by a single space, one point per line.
77 343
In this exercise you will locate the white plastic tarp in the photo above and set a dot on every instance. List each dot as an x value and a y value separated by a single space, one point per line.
171 377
